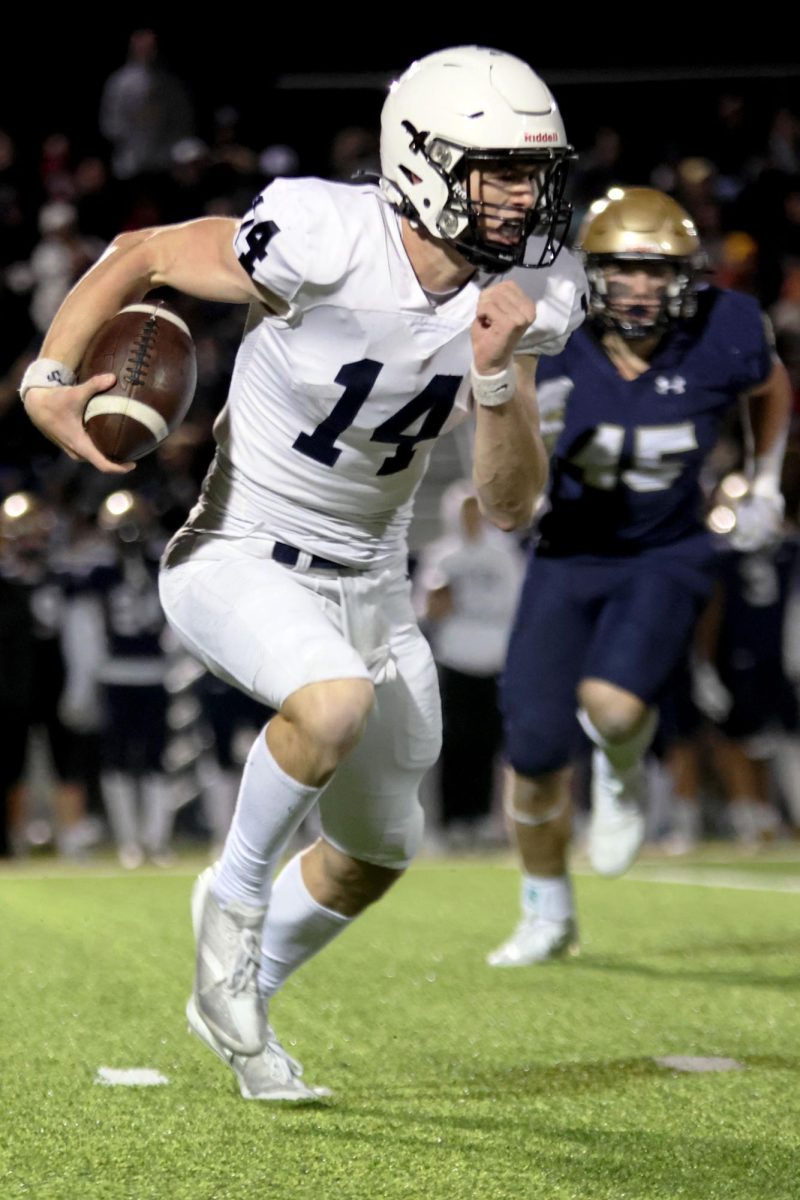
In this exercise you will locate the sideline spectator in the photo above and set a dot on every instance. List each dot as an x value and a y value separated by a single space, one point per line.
470 581
144 110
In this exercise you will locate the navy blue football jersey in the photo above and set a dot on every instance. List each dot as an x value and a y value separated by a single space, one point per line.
128 593
626 465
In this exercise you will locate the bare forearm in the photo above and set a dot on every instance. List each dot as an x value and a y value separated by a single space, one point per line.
510 460
136 263
769 412
107 287
197 258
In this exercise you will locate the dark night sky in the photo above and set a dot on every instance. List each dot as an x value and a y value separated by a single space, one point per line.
53 75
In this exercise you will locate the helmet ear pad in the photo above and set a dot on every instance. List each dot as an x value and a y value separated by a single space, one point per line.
427 192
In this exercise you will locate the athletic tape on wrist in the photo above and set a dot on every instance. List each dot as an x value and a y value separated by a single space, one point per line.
46 373
491 390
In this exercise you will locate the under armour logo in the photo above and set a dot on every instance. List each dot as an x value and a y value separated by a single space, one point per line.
676 385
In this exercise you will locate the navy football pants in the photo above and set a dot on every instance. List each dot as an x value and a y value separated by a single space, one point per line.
626 621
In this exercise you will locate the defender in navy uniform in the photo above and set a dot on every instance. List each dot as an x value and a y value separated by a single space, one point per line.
623 563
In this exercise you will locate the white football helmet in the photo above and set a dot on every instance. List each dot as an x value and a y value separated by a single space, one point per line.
455 110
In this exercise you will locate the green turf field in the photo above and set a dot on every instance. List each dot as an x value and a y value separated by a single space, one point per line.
450 1079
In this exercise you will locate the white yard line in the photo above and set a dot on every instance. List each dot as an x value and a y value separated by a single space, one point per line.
59 874
734 880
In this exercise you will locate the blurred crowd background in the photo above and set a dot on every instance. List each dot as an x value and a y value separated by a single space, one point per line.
93 744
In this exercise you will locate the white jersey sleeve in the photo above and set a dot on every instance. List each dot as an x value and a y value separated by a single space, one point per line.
292 241
561 296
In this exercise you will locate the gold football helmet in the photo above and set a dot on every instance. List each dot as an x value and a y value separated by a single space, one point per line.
631 225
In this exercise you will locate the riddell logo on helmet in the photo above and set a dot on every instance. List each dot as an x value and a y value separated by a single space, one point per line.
541 137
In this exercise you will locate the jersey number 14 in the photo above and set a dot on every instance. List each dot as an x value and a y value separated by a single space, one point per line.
432 407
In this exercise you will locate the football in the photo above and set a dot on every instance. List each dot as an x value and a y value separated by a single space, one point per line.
150 350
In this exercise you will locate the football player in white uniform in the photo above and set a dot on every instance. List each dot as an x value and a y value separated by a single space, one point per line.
380 314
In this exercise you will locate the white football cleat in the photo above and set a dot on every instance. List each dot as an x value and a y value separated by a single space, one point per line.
536 940
228 954
617 823
270 1075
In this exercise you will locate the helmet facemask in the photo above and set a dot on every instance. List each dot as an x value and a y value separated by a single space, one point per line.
676 301
467 221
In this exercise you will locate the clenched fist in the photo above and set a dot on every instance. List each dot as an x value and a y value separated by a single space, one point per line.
504 313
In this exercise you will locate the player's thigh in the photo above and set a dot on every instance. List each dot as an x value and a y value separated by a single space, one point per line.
256 624
551 633
644 632
371 808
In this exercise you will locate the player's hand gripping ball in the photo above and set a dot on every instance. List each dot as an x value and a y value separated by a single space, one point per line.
150 350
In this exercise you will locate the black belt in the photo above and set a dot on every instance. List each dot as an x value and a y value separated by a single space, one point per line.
289 556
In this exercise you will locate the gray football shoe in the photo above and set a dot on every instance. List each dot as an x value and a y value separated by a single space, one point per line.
271 1075
228 954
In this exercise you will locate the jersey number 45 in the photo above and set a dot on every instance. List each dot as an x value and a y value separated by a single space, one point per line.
656 460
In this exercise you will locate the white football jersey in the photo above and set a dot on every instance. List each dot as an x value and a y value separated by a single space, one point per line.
334 407
484 575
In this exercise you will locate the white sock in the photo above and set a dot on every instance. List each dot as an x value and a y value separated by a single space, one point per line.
121 801
270 807
296 929
622 755
220 788
158 813
687 819
548 898
741 813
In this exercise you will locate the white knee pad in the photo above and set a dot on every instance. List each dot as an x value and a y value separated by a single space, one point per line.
370 809
393 843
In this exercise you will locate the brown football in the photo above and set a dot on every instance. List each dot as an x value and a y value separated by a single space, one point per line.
150 350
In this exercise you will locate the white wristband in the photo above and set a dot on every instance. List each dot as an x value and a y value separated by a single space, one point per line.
491 390
46 373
